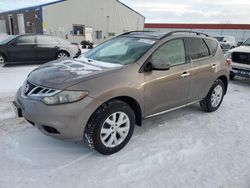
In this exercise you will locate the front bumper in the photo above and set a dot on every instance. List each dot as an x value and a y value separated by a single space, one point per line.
240 71
65 121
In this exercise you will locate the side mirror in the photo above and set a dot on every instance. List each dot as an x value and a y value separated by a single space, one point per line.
239 43
157 64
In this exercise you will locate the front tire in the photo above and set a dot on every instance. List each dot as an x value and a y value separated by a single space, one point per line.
2 60
214 97
110 127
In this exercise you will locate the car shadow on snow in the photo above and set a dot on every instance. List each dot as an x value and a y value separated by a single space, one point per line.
241 81
21 65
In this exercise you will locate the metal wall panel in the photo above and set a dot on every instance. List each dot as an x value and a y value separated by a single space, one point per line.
109 16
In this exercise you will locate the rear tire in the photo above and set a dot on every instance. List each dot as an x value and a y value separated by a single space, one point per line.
62 54
2 60
214 97
110 127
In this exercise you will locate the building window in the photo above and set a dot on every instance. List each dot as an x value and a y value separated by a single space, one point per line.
111 34
98 34
78 30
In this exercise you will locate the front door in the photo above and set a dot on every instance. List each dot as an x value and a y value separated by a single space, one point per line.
168 89
23 49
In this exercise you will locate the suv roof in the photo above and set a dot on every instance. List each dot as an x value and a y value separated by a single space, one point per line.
160 35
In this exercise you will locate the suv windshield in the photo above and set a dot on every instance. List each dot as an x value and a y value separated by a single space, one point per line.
246 43
122 50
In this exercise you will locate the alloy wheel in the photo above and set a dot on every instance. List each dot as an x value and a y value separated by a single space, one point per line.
216 96
115 129
62 55
2 61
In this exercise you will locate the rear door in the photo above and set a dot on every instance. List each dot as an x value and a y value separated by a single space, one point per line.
168 89
203 65
22 49
47 48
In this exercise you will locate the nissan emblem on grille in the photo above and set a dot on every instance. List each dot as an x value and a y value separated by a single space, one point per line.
26 89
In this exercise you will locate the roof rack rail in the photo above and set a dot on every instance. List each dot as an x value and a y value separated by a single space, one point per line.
139 31
185 31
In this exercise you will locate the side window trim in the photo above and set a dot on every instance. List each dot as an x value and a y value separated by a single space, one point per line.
210 53
185 48
36 39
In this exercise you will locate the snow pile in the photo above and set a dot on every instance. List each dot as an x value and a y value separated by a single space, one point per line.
12 77
185 148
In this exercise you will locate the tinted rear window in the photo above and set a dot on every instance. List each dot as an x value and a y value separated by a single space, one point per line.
46 40
197 48
212 45
25 40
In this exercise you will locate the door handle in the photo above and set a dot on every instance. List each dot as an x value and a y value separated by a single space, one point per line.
214 66
185 74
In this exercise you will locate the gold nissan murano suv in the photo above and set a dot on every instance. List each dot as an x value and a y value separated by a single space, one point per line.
101 95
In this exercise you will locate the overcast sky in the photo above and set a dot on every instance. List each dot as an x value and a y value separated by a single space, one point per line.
173 11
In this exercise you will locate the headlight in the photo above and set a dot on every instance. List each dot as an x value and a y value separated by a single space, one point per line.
65 97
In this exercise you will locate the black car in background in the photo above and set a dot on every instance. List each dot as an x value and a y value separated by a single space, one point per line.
30 48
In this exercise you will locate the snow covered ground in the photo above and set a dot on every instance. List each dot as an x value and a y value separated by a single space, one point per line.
186 148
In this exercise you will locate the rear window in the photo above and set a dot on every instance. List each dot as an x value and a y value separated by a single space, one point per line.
212 45
25 40
46 40
197 48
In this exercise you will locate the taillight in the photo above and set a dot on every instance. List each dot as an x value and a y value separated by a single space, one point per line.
229 61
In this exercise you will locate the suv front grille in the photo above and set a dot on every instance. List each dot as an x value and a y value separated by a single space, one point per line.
30 89
239 57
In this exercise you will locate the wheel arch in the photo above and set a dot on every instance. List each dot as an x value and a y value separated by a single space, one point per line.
134 105
225 81
5 56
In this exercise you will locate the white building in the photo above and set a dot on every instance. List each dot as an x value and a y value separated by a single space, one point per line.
241 32
93 20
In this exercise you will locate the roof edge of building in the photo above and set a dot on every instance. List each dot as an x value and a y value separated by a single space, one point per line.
197 26
32 7
130 8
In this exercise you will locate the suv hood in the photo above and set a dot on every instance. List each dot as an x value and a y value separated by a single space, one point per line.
241 49
61 74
